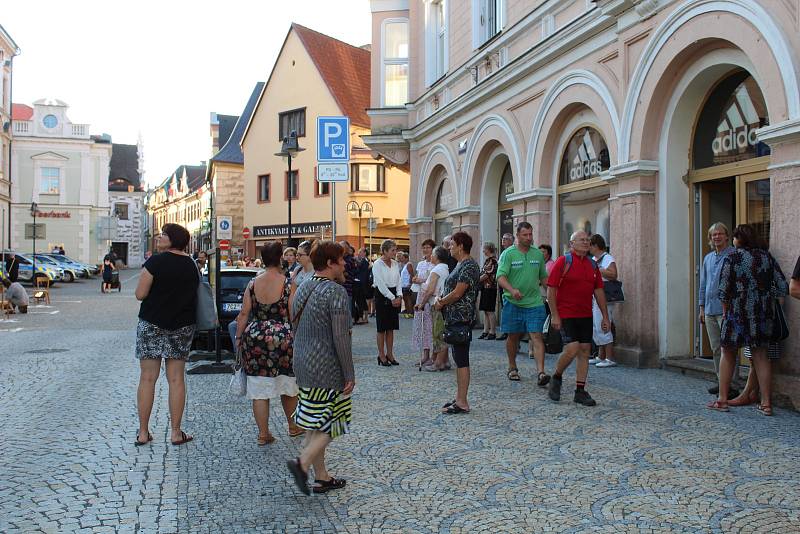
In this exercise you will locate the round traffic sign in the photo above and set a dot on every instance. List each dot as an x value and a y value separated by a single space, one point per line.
224 244
246 232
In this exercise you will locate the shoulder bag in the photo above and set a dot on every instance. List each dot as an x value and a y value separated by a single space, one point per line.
206 315
296 320
457 333
780 328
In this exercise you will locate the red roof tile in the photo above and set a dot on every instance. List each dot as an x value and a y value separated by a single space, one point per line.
21 112
345 69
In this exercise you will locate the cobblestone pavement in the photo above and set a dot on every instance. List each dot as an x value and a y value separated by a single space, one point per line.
649 458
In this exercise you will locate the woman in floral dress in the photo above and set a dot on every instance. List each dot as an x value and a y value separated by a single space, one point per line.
265 338
422 329
749 284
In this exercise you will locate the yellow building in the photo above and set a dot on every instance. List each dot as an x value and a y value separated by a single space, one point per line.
183 198
316 75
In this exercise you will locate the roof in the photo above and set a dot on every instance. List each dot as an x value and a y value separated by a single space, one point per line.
50 102
226 125
124 165
231 151
195 176
21 112
11 42
344 68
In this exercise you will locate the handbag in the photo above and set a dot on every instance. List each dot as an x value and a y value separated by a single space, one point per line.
206 315
553 343
238 385
457 334
780 328
613 289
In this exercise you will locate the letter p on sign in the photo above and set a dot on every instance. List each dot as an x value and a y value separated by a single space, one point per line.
333 139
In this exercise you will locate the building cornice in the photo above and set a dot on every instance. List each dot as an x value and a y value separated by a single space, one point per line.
634 168
783 132
466 210
377 6
418 220
539 192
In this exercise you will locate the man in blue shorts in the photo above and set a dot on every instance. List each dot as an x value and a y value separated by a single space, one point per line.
520 273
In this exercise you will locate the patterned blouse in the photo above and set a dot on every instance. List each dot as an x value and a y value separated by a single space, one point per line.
490 270
463 310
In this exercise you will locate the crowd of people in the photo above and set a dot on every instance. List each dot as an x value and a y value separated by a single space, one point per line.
294 331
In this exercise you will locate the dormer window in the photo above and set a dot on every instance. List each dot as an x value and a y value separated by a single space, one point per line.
50 121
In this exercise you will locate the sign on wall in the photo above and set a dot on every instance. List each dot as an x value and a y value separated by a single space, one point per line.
298 229
586 157
224 227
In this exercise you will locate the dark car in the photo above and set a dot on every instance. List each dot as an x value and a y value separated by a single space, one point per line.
233 283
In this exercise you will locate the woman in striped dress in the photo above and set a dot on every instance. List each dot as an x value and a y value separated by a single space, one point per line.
323 365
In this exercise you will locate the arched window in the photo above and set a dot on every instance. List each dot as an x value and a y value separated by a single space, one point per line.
442 224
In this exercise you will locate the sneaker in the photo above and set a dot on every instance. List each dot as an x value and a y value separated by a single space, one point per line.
606 363
582 397
554 391
594 360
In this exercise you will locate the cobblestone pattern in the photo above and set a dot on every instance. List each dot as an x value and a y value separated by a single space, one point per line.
649 458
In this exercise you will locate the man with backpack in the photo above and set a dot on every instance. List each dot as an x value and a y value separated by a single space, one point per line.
574 279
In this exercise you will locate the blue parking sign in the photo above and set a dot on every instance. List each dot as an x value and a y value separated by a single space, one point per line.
333 139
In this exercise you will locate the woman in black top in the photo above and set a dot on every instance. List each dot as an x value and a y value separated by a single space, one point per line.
168 291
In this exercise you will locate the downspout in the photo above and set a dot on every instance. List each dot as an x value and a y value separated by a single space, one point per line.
10 139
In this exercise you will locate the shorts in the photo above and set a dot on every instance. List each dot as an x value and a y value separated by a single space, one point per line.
519 320
577 329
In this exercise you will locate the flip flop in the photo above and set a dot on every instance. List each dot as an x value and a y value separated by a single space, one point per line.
454 409
324 486
269 438
764 410
296 432
140 443
718 406
185 438
300 476
447 405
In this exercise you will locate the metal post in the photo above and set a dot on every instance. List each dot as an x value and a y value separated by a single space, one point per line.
333 211
33 273
291 192
369 224
360 244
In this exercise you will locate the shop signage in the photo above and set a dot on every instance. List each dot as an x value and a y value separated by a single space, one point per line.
54 214
736 131
282 230
586 157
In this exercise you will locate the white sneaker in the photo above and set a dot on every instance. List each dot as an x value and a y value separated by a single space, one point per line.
594 361
606 363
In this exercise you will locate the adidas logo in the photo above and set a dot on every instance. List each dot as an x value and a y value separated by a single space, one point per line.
737 129
585 165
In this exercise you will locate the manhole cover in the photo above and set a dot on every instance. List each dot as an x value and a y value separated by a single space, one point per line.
45 351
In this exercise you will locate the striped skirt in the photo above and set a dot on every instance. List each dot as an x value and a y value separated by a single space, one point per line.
324 410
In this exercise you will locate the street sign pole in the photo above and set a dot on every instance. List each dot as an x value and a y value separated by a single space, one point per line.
333 156
333 211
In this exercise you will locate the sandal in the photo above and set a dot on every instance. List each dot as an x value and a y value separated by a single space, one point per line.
718 405
764 409
324 486
296 431
544 379
513 374
145 442
264 440
447 405
185 438
454 409
300 476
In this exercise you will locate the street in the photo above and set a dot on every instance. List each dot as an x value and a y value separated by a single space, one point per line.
649 458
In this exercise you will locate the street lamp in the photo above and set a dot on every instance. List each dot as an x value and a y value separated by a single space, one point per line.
356 210
34 209
290 147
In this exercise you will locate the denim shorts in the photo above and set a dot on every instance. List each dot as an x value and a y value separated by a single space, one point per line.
519 320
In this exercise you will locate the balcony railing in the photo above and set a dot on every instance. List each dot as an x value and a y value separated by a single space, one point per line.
22 127
75 130
80 130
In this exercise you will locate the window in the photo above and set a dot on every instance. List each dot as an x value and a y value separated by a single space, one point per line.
395 63
50 121
294 120
121 211
436 37
292 185
488 18
263 188
51 180
323 188
368 177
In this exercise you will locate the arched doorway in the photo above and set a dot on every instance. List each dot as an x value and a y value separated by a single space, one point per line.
728 176
442 222
505 208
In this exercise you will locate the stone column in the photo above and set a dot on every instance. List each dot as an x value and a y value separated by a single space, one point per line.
468 220
419 230
634 234
784 140
535 207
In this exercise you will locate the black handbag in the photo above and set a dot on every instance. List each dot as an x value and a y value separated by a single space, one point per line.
457 334
553 342
613 289
780 329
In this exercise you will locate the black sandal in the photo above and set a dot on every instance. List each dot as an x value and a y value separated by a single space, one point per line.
452 402
300 476
185 438
324 486
454 409
140 443
544 379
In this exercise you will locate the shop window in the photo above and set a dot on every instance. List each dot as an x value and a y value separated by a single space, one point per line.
368 177
292 121
506 186
292 185
51 180
442 224
585 209
395 62
263 188
726 128
121 211
586 157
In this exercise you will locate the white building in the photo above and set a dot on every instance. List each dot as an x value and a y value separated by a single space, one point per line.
59 166
127 195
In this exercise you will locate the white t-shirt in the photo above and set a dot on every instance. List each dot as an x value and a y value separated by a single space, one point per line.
604 261
442 271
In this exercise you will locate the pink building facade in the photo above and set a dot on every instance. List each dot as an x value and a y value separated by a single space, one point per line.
642 120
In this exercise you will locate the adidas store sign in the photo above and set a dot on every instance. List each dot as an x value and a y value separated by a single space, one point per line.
587 169
735 140
586 157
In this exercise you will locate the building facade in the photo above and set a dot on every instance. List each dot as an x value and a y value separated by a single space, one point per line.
127 198
8 49
63 169
316 75
183 198
642 120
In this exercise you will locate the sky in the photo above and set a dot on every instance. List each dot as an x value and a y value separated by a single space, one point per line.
160 68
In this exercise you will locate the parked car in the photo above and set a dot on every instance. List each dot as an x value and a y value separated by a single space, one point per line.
81 270
69 274
233 283
54 274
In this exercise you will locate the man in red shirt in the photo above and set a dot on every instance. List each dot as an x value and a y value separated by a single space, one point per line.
570 287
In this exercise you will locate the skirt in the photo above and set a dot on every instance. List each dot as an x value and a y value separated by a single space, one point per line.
154 342
268 387
387 317
488 301
422 330
324 410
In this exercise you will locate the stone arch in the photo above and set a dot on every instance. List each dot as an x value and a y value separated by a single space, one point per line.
737 24
492 131
576 89
438 159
